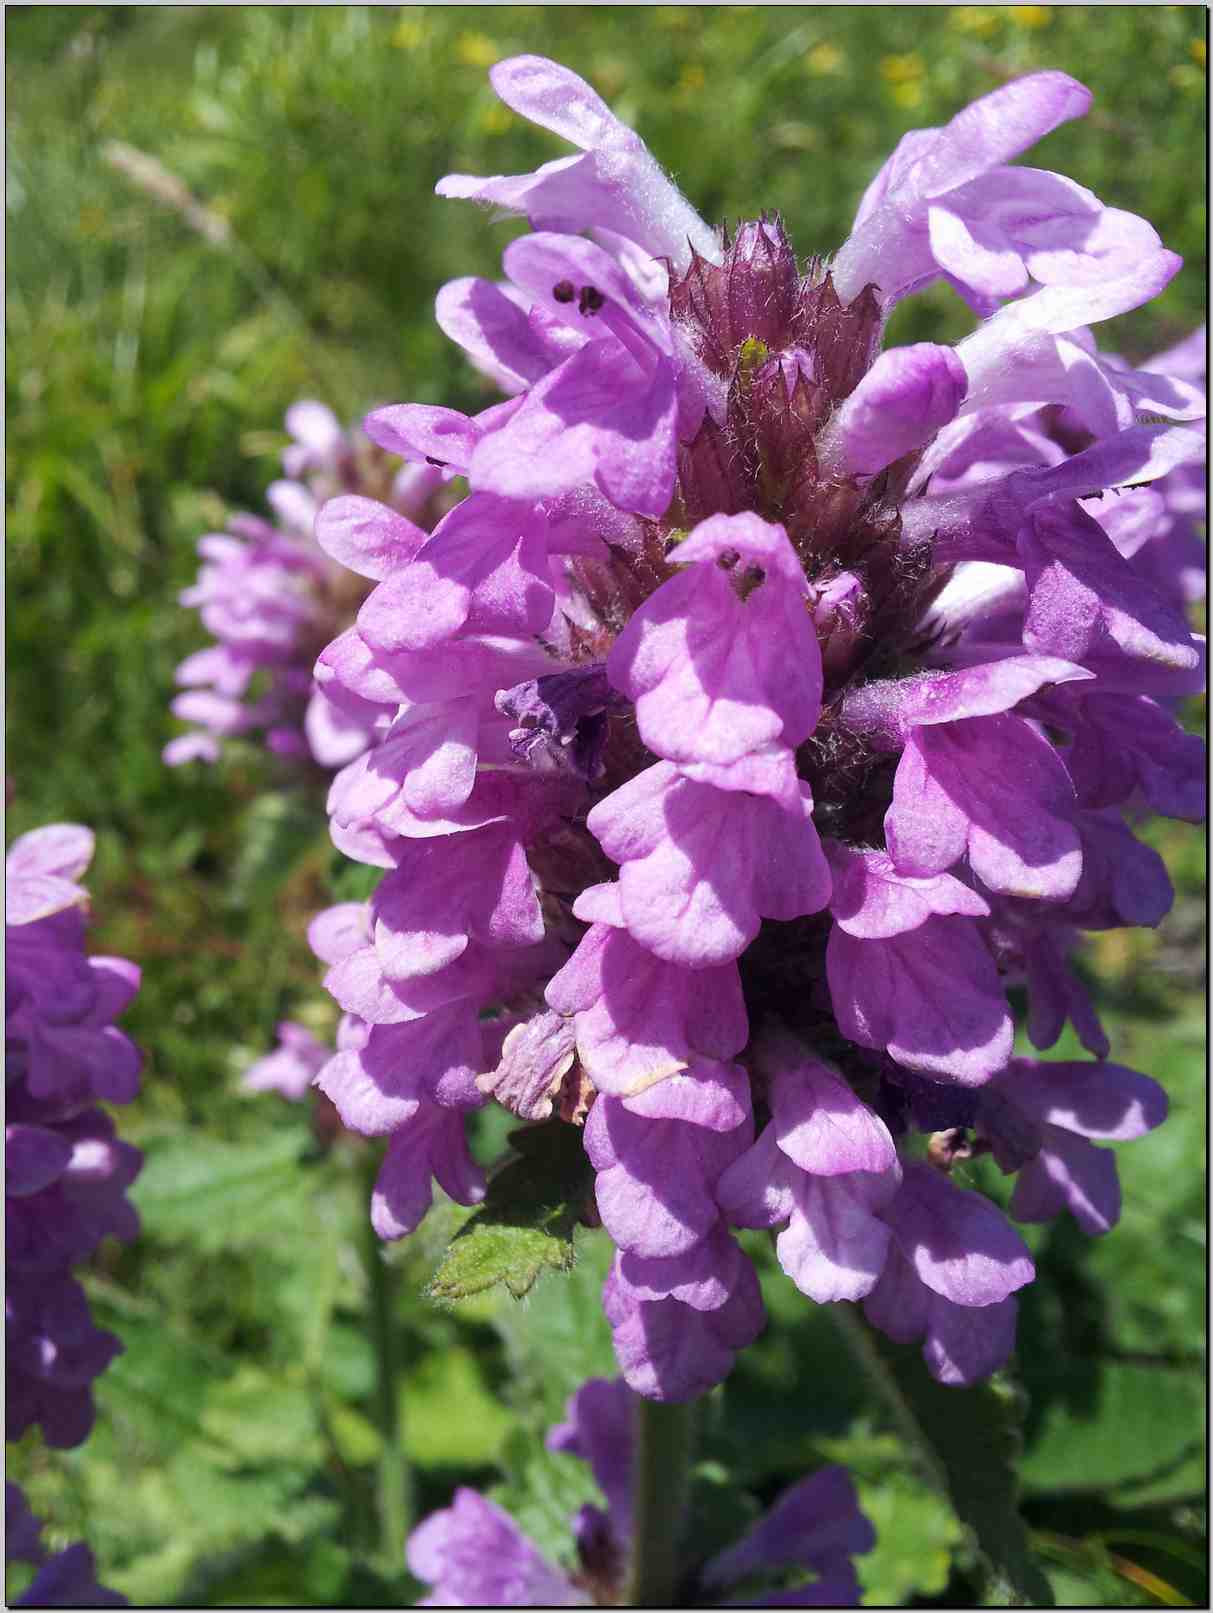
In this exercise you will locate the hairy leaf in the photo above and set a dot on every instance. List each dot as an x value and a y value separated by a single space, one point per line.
525 1225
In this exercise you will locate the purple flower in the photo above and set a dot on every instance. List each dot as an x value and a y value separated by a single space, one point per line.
473 1553
66 1579
902 977
1042 1120
638 1019
42 869
272 593
66 1170
661 828
827 1166
722 660
52 1355
616 185
293 1065
955 1263
945 204
772 702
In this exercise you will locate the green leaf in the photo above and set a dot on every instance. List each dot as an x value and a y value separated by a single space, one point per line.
264 1575
554 1340
217 1195
163 1376
968 1441
262 1417
525 1225
355 1438
558 1337
450 1417
916 1535
1138 1425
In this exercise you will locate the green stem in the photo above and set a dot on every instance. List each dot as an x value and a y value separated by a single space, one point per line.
394 1487
664 1442
866 1352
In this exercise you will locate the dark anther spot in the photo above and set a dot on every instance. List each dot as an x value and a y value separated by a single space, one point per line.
430 460
752 577
727 559
590 301
564 291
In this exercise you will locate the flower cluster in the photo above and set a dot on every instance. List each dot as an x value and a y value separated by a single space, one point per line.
473 1554
770 704
271 599
66 1172
66 1579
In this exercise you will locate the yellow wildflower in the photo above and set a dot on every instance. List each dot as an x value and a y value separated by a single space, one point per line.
1031 16
824 59
902 69
477 50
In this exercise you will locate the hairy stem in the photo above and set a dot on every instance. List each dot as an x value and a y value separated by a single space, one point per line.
664 1442
394 1488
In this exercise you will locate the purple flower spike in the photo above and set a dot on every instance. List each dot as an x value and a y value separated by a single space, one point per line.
272 593
773 689
66 1172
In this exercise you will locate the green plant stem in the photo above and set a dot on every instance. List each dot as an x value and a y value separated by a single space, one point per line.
664 1442
394 1489
863 1348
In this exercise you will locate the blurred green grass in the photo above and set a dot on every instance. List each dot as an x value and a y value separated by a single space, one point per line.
148 372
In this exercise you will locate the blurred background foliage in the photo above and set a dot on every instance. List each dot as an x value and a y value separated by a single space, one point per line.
148 371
